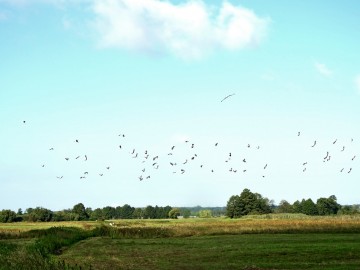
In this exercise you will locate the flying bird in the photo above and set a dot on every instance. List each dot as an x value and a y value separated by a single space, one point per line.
227 97
172 148
265 166
77 141
108 168
353 158
298 133
67 158
85 157
335 141
101 174
314 144
216 144
343 149
51 149
77 157
59 177
350 170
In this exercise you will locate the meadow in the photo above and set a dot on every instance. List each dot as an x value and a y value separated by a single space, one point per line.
273 241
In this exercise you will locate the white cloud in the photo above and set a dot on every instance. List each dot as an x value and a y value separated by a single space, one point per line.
189 30
357 82
323 69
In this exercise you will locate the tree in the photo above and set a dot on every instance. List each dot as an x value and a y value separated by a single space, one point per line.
232 207
7 216
247 203
149 212
284 207
138 213
109 212
174 213
327 206
186 213
79 212
97 214
39 214
127 211
205 213
308 207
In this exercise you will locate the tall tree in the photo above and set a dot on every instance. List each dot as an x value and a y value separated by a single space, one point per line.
79 212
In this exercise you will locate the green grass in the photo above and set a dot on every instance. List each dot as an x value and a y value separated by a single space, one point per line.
256 251
273 241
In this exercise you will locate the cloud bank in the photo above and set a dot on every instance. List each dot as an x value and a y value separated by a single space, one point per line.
188 30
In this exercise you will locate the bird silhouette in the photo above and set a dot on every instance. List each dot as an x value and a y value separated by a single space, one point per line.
314 144
227 97
350 170
265 167
51 149
334 141
86 158
298 133
59 177
108 168
353 158
67 158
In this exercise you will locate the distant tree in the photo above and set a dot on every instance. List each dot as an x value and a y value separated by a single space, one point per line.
165 211
232 207
327 206
205 213
308 207
297 207
174 213
39 214
247 203
284 207
79 212
138 213
348 210
7 216
19 212
127 211
186 213
109 212
97 214
149 212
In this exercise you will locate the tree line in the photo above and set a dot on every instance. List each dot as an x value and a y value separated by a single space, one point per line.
79 212
249 203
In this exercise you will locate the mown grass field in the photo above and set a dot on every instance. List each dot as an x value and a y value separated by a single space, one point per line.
255 242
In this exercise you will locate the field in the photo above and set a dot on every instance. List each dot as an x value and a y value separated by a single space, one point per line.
254 242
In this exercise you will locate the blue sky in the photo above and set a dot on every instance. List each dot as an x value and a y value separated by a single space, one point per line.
157 71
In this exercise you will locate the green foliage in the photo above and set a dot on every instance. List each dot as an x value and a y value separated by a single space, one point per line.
247 203
205 213
174 213
39 214
80 212
7 216
284 207
327 206
308 207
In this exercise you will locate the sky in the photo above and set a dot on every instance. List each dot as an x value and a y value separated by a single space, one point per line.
157 72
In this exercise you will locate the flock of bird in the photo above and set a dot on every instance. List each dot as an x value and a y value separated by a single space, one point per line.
180 164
